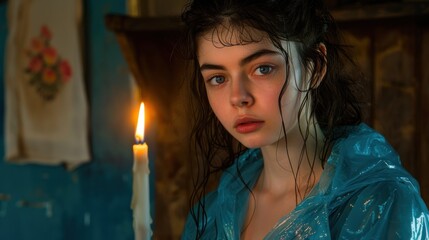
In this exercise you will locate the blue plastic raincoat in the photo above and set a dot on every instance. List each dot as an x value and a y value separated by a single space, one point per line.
363 193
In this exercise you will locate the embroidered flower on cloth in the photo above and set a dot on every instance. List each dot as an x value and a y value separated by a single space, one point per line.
47 71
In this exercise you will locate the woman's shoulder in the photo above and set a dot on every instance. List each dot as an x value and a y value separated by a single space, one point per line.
373 194
362 141
365 153
363 158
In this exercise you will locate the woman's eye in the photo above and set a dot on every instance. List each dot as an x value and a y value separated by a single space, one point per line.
263 70
216 80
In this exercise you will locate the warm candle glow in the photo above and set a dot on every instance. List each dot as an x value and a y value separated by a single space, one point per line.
140 125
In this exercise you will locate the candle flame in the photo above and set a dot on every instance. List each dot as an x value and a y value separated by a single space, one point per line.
140 125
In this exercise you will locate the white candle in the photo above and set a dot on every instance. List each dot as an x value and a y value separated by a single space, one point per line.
140 200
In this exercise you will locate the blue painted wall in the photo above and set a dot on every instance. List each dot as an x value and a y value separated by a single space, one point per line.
92 202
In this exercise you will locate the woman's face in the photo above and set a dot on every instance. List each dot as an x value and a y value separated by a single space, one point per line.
243 84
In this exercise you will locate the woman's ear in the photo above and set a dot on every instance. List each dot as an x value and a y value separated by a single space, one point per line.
321 65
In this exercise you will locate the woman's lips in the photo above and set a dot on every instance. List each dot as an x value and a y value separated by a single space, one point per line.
247 125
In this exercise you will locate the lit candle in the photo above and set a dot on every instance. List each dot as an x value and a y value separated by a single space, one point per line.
140 200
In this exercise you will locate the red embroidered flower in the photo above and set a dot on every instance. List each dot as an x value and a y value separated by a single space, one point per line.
36 45
65 70
46 69
35 64
49 55
49 76
45 32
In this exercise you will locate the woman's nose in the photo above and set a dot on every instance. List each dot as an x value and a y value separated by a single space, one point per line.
240 93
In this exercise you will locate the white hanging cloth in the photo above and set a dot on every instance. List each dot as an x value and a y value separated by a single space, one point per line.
46 119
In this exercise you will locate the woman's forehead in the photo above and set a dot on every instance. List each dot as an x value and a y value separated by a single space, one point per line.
230 35
227 36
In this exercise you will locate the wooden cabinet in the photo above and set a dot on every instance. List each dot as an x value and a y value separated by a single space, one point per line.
391 44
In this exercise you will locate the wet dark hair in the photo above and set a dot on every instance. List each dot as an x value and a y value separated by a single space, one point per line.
334 100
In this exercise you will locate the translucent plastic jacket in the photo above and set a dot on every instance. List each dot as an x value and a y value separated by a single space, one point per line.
363 193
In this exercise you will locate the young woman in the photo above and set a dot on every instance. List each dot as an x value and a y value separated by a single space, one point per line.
277 113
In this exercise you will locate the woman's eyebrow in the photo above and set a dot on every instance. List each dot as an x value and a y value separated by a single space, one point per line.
207 66
244 61
258 54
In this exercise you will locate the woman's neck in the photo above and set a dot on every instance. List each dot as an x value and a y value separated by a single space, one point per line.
292 163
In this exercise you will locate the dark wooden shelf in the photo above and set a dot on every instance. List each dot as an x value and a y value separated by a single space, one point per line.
349 13
381 11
